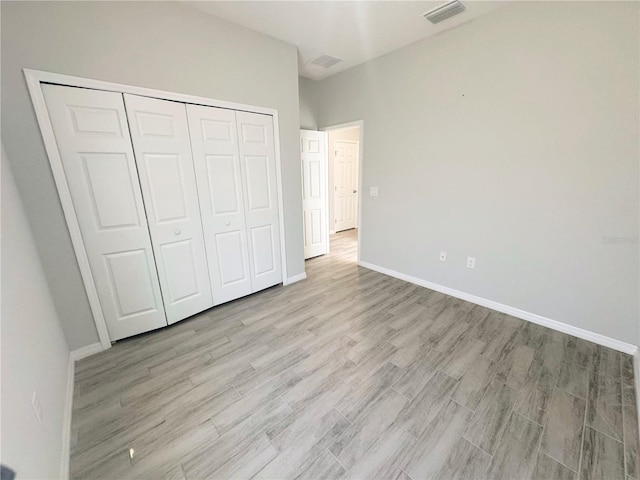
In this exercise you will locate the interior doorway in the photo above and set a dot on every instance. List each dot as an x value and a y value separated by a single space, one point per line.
331 180
344 162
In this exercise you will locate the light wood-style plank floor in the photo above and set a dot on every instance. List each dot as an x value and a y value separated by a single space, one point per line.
353 374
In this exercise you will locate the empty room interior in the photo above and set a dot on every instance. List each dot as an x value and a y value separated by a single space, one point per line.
320 240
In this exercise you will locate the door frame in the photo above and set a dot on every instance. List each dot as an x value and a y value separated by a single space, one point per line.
342 126
35 79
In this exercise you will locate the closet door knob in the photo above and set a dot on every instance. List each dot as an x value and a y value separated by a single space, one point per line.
178 232
227 224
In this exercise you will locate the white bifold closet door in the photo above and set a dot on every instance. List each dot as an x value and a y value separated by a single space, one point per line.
234 156
258 165
162 147
93 141
216 158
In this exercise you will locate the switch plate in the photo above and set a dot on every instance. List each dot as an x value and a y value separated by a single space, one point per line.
443 256
37 409
373 191
471 262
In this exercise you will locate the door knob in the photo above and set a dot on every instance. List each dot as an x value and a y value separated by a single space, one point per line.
178 232
227 224
355 191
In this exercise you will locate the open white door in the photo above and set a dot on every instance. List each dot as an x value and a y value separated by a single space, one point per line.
314 192
345 179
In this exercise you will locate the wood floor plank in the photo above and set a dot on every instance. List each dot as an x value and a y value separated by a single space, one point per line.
432 448
548 469
533 402
363 433
631 441
383 458
418 413
516 453
491 417
602 456
604 404
574 372
465 462
562 438
474 383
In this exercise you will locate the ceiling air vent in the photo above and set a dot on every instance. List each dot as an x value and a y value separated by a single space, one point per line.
444 11
325 61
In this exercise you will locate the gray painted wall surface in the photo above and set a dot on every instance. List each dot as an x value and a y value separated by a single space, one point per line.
35 356
307 119
162 45
512 139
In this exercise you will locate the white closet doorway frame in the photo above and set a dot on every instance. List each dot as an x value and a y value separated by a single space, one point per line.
35 79
342 126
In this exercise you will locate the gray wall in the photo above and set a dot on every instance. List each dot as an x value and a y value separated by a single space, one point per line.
307 119
168 46
35 357
513 139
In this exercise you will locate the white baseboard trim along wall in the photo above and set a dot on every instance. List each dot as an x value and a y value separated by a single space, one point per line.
296 278
85 352
514 312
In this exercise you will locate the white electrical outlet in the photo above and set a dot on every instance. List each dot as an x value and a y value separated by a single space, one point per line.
37 409
443 256
471 262
373 191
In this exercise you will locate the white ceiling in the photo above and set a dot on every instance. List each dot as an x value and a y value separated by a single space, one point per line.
355 31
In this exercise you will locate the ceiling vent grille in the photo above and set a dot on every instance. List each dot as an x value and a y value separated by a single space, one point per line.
325 61
445 11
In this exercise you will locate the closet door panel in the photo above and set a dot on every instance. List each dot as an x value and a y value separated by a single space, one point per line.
160 135
257 161
218 174
93 141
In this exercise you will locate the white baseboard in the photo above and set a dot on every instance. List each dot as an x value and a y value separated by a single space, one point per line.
296 278
85 352
66 420
515 312
332 232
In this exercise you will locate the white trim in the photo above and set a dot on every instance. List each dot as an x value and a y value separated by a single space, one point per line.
85 352
355 123
297 278
276 144
327 205
36 77
515 312
332 232
66 421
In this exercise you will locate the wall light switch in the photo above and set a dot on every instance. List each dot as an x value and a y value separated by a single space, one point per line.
373 191
471 262
443 256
